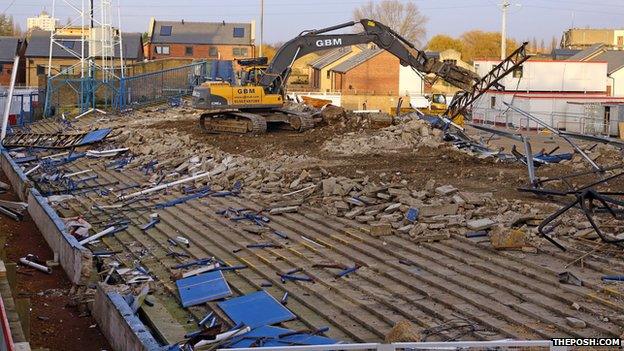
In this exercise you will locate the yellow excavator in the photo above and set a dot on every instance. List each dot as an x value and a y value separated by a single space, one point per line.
258 101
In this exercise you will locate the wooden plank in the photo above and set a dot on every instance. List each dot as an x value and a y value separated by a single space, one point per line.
621 127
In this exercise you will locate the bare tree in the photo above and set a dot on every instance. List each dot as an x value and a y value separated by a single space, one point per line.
404 17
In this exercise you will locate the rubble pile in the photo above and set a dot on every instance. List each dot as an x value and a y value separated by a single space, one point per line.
428 214
404 135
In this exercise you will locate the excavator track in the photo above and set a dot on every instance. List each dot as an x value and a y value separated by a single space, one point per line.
301 122
232 121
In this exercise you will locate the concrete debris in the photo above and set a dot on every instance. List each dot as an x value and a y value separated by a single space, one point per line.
506 238
480 224
445 190
381 229
406 135
576 323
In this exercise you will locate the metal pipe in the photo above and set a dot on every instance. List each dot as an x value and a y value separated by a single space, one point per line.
97 236
545 125
7 106
32 264
164 186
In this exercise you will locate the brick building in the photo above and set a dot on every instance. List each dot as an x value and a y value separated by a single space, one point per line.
9 48
200 40
36 56
320 69
375 71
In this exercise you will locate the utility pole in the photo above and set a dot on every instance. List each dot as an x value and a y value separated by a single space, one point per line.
261 26
504 5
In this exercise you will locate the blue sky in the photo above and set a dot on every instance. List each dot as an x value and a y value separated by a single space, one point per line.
285 19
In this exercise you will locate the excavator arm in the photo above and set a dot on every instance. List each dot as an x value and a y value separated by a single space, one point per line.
275 76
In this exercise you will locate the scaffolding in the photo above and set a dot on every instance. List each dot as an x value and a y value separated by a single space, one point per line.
98 50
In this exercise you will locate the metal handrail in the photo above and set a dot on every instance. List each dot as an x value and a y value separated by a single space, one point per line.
450 345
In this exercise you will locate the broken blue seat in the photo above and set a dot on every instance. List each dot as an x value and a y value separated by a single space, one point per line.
256 310
268 336
203 288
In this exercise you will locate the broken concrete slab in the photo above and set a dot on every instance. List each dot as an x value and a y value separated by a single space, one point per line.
445 190
381 229
576 323
280 210
506 238
329 186
480 224
439 210
472 198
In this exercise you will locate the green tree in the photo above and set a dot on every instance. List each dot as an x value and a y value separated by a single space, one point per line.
443 42
404 17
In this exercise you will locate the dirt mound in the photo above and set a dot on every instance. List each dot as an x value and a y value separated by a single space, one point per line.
408 135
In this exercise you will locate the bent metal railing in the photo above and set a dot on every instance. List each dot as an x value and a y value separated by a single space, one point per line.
450 345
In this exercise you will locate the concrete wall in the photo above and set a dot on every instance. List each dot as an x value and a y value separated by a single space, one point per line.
123 329
410 82
559 76
76 260
616 81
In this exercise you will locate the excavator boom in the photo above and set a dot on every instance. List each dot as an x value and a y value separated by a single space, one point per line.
276 75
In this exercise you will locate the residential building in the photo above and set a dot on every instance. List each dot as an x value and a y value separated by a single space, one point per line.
42 22
320 69
9 48
568 95
563 54
200 40
580 39
377 72
38 50
615 65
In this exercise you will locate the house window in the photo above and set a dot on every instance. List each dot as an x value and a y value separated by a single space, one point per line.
239 52
188 51
476 66
67 70
328 74
41 70
165 31
239 32
493 102
517 73
454 62
213 52
68 44
162 49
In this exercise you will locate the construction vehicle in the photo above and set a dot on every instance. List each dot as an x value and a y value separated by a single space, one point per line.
458 109
259 99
